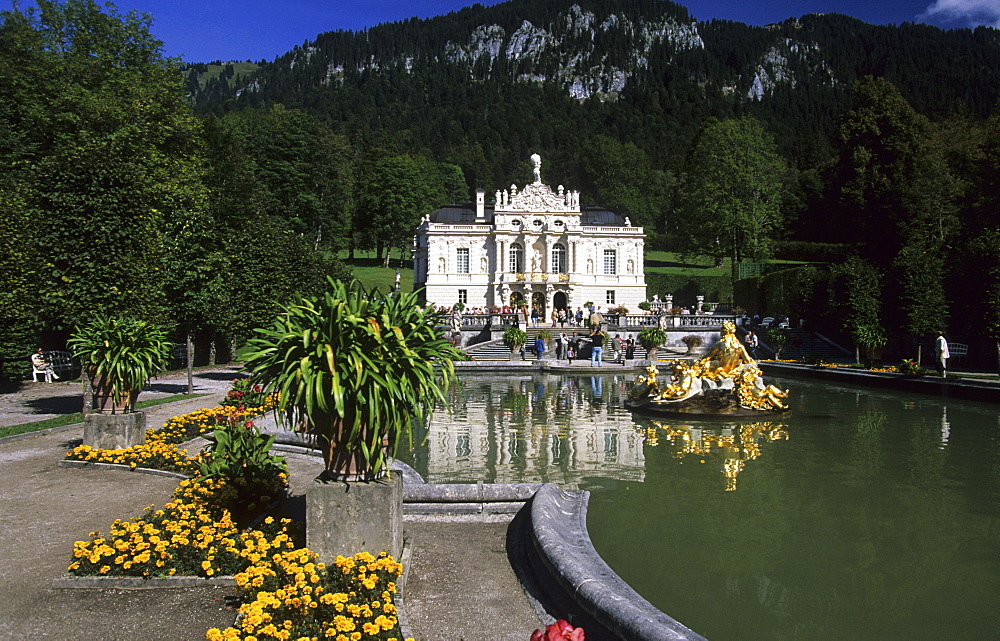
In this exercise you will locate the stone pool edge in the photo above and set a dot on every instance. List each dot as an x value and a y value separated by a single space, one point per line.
558 532
958 388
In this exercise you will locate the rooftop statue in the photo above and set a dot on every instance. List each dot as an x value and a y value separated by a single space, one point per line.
725 382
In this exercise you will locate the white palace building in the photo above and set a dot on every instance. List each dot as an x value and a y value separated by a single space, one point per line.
535 246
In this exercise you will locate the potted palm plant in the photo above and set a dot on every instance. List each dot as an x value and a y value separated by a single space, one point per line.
693 342
118 356
651 338
872 339
514 338
779 338
354 370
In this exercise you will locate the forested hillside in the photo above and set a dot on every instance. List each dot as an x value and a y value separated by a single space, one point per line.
485 86
873 150
719 138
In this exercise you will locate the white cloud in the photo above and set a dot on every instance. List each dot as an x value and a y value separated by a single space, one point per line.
965 12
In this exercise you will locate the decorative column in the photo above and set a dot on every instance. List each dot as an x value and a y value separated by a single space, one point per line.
701 303
668 300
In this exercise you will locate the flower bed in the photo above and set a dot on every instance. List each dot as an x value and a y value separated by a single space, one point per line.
857 366
159 451
289 594
191 536
296 597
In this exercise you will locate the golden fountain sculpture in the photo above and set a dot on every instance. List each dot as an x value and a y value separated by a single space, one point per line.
724 382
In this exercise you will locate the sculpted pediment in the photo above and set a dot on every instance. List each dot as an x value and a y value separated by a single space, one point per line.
537 197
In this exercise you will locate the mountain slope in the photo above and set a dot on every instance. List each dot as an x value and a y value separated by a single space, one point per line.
642 72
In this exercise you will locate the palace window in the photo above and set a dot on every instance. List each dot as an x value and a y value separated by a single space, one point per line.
558 259
609 297
463 296
516 258
462 260
610 261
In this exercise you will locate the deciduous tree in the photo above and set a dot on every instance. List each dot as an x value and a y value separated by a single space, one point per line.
731 196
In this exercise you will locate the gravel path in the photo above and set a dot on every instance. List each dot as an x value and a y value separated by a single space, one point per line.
461 580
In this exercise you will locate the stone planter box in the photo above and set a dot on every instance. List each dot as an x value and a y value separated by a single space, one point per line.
69 581
345 518
114 431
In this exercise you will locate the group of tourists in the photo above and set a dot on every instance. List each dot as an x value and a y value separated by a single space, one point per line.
570 348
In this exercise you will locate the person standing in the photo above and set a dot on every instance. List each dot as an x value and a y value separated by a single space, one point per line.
752 343
597 346
574 347
539 347
560 346
941 354
618 346
596 319
629 348
534 317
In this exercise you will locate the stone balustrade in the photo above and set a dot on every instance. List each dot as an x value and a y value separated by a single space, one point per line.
623 321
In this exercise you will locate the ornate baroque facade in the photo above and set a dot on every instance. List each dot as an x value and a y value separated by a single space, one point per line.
536 245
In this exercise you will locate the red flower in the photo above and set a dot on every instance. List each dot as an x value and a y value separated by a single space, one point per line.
558 631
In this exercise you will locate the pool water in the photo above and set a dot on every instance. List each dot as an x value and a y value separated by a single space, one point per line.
861 515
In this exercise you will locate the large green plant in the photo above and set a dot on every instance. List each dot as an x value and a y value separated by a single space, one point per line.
652 337
355 369
779 337
241 457
120 355
514 337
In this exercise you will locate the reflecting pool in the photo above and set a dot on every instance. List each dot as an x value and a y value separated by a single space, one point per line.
864 515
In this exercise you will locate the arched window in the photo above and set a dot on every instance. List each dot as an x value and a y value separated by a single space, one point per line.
558 259
517 258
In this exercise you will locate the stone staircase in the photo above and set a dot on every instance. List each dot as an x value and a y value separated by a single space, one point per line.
497 351
803 344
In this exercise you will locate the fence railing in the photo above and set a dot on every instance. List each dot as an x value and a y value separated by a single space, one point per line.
624 321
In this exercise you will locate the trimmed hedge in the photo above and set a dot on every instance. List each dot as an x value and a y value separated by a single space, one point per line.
812 252
789 292
715 289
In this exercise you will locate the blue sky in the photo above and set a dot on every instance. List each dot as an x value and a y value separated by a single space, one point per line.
206 30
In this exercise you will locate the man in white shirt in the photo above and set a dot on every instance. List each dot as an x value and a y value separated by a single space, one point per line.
941 355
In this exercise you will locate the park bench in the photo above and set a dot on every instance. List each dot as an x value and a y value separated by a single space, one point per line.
61 362
958 350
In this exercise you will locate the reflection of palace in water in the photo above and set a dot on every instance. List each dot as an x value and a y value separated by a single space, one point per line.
536 429
557 429
730 446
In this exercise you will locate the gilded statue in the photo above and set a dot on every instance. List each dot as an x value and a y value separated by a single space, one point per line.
726 356
724 382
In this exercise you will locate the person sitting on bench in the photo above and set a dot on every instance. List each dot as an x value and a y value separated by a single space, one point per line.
41 365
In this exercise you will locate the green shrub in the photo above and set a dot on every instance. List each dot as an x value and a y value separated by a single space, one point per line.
910 367
651 337
514 338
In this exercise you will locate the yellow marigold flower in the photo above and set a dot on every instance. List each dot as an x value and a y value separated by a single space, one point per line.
343 624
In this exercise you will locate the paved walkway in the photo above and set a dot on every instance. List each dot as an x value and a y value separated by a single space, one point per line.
460 582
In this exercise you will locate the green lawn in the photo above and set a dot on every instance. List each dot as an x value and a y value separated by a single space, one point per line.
368 269
77 417
658 262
